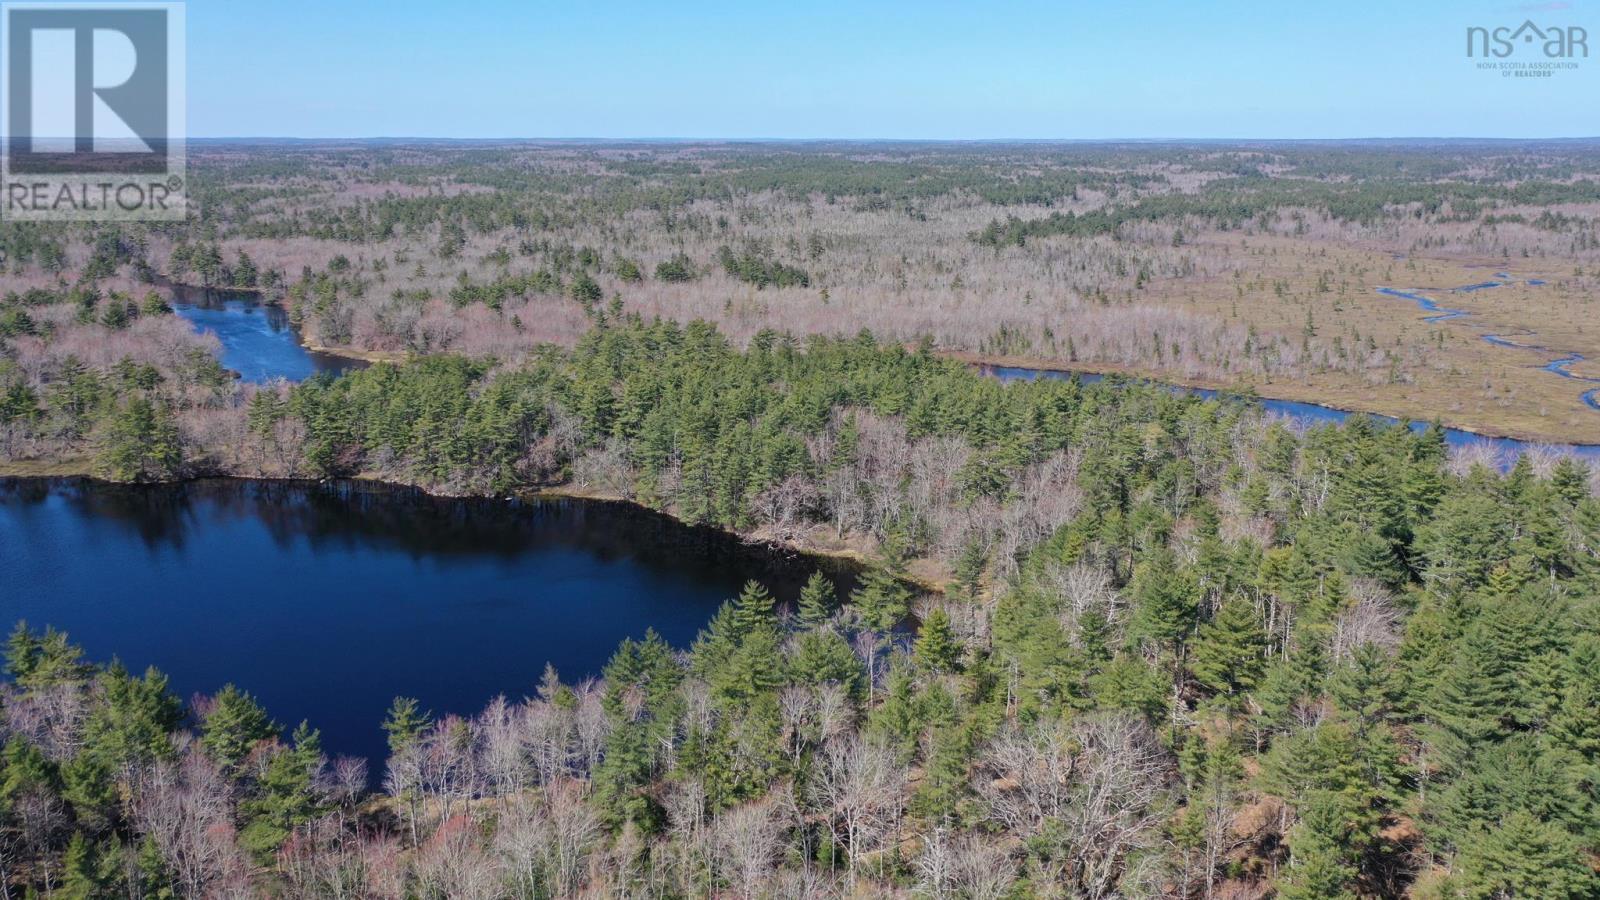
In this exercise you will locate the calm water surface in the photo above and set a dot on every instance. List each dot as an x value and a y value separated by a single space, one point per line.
258 341
327 601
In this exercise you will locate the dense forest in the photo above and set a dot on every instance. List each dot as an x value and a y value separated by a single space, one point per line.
1109 640
1180 649
1246 266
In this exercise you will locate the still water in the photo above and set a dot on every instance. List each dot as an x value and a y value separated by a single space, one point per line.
327 601
258 340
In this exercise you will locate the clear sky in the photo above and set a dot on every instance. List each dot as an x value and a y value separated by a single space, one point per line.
833 69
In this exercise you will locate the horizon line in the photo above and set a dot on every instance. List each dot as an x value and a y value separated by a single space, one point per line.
903 140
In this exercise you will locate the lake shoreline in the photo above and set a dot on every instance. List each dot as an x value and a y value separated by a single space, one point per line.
927 575
352 353
287 586
178 289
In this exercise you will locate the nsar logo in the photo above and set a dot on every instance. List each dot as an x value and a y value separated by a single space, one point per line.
1554 42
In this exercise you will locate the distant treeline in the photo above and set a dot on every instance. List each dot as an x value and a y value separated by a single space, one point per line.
1236 203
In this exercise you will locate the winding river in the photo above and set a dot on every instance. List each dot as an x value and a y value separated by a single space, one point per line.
259 342
1561 366
1506 449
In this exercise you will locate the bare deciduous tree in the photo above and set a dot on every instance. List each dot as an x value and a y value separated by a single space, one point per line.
859 788
1098 784
747 839
184 808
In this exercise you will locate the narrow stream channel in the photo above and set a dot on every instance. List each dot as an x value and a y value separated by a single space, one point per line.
1562 366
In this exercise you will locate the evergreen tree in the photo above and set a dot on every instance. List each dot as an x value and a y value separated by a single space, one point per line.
1369 555
817 601
1584 559
899 718
141 443
1229 651
1166 602
1128 682
945 777
286 796
826 657
937 648
405 723
81 875
883 599
1524 857
135 722
37 661
753 611
1319 858
234 726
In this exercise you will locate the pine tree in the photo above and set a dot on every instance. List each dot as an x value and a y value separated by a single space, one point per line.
945 777
882 599
1365 687
286 795
1128 682
1228 655
141 443
135 723
1570 480
1319 864
405 723
1469 703
80 876
87 784
753 670
937 648
1369 555
824 656
155 877
25 771
752 611
1519 773
899 717
234 726
1166 602
1575 725
1524 857
37 661
969 569
1584 557
22 653
817 601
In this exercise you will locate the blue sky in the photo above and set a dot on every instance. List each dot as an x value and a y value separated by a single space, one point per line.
823 68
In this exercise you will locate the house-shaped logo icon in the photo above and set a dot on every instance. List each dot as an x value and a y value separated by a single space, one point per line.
1528 32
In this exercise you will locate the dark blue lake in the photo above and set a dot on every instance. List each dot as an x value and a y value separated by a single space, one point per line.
258 340
327 601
